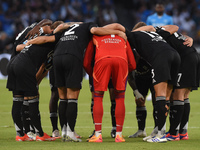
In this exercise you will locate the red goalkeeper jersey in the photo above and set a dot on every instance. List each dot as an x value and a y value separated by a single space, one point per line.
108 46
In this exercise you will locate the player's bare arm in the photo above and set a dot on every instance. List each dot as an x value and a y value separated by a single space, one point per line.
171 28
38 40
35 30
41 40
115 26
105 31
41 73
20 47
174 28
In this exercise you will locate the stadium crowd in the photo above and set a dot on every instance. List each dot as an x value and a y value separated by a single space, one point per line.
15 15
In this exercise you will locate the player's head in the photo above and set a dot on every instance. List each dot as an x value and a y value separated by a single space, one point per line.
49 29
139 24
160 8
55 24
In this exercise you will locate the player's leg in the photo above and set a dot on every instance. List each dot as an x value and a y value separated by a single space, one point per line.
141 114
163 76
25 81
26 117
72 109
17 102
160 91
143 84
35 117
97 115
160 94
53 108
92 101
17 118
69 74
62 109
155 118
192 67
155 130
119 115
53 104
62 91
183 132
119 80
27 124
176 113
34 113
29 82
16 114
100 82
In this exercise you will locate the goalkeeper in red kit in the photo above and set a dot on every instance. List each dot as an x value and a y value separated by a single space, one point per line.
112 58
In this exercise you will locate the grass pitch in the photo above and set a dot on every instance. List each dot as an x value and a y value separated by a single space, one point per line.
84 125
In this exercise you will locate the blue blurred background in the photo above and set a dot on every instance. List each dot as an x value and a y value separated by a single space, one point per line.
15 15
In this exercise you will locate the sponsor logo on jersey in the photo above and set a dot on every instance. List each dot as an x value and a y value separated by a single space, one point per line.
111 40
69 38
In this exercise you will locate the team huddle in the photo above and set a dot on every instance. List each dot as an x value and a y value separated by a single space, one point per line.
155 58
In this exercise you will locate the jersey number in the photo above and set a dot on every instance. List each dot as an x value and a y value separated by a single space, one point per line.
179 77
152 34
70 31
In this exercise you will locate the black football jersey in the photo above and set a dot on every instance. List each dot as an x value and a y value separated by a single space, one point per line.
37 53
21 38
176 41
148 44
74 40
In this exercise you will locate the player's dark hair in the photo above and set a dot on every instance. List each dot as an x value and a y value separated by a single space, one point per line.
55 24
139 24
160 3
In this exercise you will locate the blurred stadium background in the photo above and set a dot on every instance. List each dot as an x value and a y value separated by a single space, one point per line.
15 15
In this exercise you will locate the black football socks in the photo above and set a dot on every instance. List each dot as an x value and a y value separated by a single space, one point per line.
35 116
16 115
63 115
185 119
72 113
176 116
141 114
26 116
162 111
112 112
53 108
54 120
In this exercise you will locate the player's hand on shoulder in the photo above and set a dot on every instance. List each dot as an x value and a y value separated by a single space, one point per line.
33 32
122 35
188 41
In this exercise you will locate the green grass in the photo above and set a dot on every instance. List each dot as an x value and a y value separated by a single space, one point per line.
84 125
